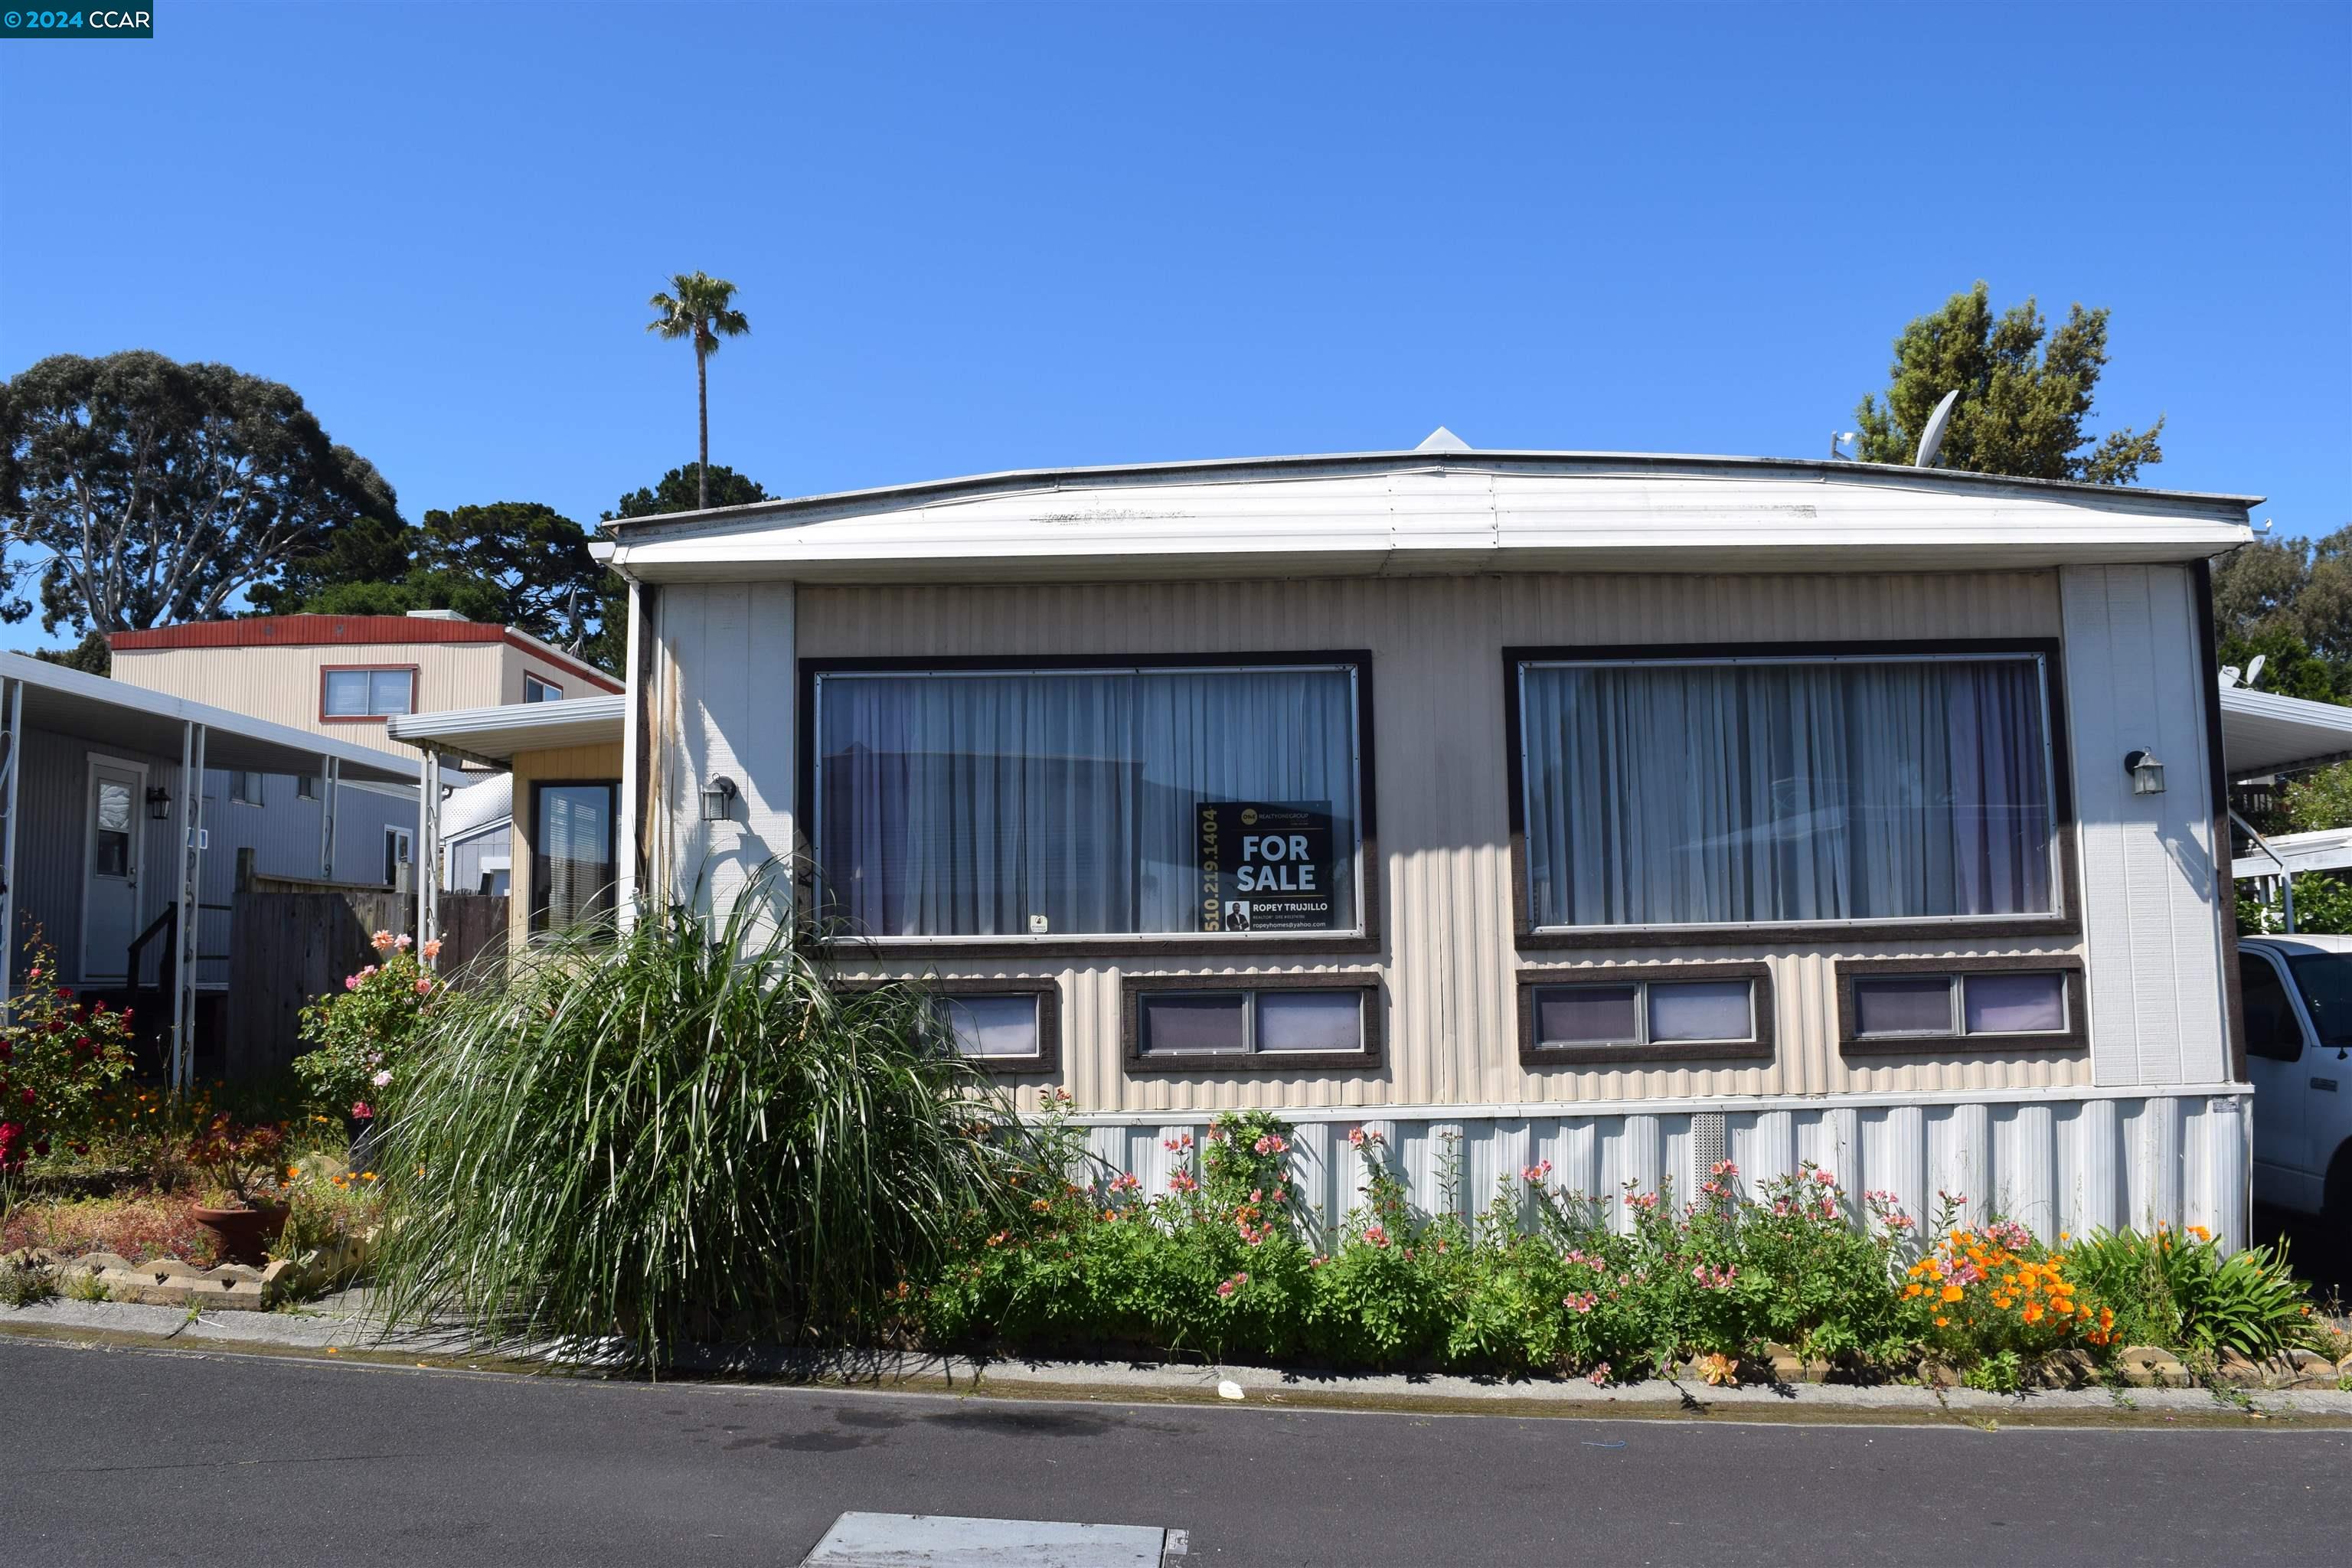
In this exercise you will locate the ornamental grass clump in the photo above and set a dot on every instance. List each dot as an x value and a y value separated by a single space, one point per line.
683 1132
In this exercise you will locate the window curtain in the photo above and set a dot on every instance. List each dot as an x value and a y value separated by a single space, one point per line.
1673 794
961 806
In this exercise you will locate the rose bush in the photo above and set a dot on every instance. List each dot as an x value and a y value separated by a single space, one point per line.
59 1054
365 1033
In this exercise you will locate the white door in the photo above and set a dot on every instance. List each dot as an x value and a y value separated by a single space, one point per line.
2277 1065
110 903
399 848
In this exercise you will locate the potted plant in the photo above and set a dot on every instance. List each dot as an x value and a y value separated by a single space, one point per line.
242 1206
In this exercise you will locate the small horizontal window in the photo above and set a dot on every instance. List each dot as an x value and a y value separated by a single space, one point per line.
1959 1005
534 690
368 693
1265 1025
992 1025
1641 1013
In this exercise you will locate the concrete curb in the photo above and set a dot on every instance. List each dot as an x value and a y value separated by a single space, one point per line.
129 1325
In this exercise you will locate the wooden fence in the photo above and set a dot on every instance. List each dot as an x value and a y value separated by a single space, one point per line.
291 942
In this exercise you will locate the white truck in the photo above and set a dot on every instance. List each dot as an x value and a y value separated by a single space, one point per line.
2298 999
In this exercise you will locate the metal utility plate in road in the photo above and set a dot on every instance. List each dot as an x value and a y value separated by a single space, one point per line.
939 1541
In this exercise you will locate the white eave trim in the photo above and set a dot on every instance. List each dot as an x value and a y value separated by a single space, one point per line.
495 734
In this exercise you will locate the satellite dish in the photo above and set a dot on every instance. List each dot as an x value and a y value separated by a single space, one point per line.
2254 668
1932 442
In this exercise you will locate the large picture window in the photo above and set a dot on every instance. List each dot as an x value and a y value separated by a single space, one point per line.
1130 802
1786 789
573 869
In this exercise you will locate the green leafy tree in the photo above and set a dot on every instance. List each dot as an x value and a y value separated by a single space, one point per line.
140 491
689 489
2022 407
517 564
2318 800
701 310
372 551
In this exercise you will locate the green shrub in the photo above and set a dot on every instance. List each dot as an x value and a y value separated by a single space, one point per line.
681 1133
1540 1280
2178 1289
365 1033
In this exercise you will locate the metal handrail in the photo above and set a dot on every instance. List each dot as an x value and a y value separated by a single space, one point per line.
168 924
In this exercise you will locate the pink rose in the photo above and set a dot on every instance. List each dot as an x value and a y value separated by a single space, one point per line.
362 1111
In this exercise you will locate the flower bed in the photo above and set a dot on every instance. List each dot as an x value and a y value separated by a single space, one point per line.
1542 1280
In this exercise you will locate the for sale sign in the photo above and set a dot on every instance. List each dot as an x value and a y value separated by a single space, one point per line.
1268 866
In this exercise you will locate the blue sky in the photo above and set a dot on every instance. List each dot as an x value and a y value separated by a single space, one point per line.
986 236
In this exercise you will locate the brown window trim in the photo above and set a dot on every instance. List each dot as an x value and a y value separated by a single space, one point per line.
551 684
415 678
1762 1048
1931 932
1302 946
1047 990
2073 1038
1132 987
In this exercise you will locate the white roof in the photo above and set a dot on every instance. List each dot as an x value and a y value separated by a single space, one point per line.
493 735
1432 511
485 804
2263 732
113 712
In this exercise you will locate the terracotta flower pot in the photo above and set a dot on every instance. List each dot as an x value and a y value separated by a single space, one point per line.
244 1234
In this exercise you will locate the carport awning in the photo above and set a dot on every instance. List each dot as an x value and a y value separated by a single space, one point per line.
2263 732
493 735
131 718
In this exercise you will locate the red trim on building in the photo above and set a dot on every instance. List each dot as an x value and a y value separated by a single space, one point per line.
330 631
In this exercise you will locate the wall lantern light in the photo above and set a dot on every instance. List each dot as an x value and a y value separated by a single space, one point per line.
159 803
719 799
2147 772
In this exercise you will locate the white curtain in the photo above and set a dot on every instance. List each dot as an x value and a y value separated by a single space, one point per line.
963 804
1673 794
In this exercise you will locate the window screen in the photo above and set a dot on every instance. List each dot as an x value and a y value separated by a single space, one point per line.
1252 1022
368 693
1634 1013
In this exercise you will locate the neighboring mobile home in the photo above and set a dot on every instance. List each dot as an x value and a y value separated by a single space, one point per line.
1626 813
127 873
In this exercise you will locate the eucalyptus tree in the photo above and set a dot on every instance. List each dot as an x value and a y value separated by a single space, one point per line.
699 308
138 492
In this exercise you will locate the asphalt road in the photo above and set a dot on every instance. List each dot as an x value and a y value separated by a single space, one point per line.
139 1457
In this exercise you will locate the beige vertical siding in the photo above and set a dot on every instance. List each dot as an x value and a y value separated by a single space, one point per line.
281 684
1449 965
2149 877
561 764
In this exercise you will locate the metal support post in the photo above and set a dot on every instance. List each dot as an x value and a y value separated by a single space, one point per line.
192 737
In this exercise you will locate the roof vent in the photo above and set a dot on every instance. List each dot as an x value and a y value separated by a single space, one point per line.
435 615
1443 440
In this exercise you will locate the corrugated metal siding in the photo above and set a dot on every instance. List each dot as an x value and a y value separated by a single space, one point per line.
2153 947
281 684
1450 965
2071 1162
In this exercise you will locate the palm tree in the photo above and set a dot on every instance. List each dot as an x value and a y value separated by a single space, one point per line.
703 309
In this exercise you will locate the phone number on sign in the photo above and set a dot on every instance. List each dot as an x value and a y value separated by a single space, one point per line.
80 21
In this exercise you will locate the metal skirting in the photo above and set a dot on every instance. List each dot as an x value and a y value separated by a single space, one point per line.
2056 1164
